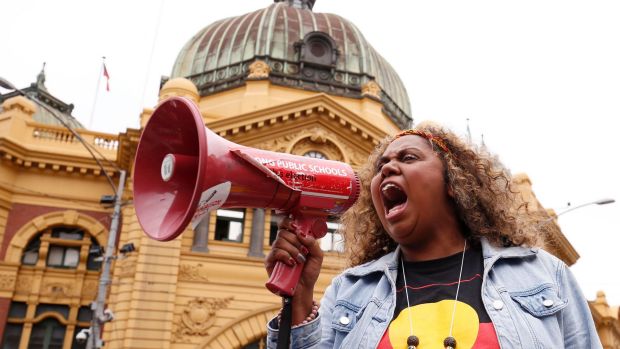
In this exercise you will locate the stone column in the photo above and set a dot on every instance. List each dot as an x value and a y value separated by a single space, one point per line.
201 235
258 233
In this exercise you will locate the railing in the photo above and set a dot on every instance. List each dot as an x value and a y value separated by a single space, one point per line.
61 137
54 135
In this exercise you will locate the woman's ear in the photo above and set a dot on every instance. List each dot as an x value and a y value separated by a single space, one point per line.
450 191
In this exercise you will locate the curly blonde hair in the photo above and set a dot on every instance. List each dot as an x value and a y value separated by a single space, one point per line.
486 201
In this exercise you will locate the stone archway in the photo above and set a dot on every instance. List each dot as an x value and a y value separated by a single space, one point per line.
241 331
66 217
317 139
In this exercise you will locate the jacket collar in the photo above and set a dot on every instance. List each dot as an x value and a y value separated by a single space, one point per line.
490 251
390 260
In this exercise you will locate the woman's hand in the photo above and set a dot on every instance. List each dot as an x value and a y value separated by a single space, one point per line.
293 248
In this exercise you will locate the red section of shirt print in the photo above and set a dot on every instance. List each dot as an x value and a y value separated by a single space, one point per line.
487 338
384 343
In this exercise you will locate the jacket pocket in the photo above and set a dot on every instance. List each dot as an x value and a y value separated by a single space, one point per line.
344 316
540 301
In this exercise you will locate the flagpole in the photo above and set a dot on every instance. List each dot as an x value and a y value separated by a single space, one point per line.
92 112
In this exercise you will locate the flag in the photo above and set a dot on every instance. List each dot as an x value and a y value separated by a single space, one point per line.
107 78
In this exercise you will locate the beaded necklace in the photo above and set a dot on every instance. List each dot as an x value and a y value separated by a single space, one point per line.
450 342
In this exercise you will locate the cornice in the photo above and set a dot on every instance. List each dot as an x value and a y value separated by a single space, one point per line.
127 146
16 155
320 103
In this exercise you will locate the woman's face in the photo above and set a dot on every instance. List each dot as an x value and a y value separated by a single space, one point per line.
409 191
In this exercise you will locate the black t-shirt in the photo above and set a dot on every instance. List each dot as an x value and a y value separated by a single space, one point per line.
431 286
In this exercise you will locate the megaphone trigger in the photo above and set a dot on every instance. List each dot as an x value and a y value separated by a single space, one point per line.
319 228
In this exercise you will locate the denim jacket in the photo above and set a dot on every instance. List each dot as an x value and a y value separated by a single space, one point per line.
531 297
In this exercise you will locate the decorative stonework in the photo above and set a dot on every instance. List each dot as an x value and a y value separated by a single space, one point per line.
7 281
23 285
188 272
325 146
57 290
89 289
279 144
356 158
371 89
197 317
315 138
259 70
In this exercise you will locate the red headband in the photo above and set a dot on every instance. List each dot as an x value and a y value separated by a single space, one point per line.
438 141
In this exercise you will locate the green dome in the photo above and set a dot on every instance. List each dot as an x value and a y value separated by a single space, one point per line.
311 51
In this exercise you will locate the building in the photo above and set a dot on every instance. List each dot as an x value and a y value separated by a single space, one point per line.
282 78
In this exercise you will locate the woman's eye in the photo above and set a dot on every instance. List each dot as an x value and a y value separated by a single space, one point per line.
379 167
409 157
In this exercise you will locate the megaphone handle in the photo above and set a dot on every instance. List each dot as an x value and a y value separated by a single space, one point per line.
284 278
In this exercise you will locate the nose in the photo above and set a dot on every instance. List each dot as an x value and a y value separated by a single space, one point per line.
390 168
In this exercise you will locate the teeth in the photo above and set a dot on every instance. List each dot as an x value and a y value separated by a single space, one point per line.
389 186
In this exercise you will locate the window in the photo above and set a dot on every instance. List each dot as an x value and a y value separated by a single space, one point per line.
95 253
273 227
316 155
318 49
18 310
61 309
67 233
13 331
85 314
12 336
75 344
332 241
64 248
31 252
63 257
229 225
47 334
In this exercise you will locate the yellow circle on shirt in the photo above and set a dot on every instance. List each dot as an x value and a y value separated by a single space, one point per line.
431 323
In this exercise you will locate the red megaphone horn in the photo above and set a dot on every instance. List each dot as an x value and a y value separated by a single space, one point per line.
183 171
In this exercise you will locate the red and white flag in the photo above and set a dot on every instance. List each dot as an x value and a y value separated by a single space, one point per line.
107 78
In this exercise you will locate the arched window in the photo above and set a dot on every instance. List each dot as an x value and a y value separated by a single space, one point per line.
47 334
316 154
64 248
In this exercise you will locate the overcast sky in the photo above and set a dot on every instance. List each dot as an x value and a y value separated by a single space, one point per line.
540 79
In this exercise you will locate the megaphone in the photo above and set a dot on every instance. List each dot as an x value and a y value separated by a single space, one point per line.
183 170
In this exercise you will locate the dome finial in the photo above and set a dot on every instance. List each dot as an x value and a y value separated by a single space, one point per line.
301 4
41 79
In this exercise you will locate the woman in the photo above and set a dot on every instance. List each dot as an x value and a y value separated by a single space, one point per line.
443 254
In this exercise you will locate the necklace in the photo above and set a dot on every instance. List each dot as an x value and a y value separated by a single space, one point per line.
449 342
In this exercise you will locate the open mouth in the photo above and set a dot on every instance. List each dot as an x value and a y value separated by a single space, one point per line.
394 198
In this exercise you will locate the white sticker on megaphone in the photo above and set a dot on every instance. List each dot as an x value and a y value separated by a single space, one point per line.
211 199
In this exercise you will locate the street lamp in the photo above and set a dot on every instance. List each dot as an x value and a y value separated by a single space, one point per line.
100 316
554 217
597 202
